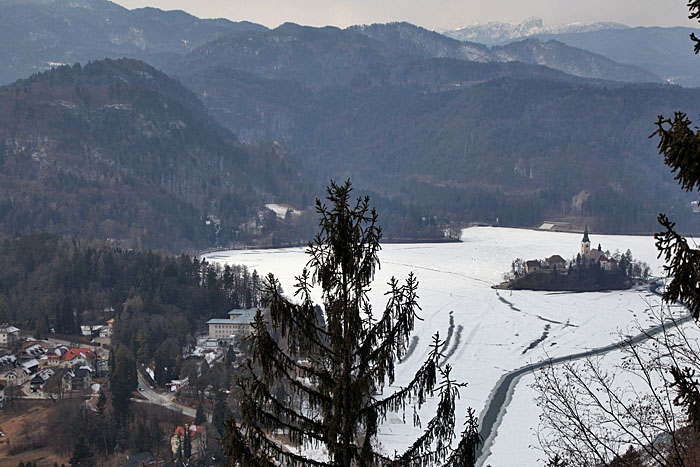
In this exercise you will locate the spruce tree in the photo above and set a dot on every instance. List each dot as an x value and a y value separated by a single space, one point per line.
350 360
200 417
101 404
679 143
81 453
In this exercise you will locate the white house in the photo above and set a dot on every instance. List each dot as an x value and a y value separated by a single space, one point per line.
238 323
9 335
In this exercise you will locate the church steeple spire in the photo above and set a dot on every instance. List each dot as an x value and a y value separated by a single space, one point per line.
585 245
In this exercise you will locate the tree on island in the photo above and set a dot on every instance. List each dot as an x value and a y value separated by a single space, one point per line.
337 370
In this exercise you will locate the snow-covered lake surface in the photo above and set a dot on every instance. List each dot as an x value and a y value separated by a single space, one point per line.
500 330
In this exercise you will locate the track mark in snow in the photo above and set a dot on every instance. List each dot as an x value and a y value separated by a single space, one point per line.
547 320
411 348
538 341
455 344
451 273
469 339
501 395
510 304
450 330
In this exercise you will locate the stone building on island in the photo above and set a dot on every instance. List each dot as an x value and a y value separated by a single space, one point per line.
588 256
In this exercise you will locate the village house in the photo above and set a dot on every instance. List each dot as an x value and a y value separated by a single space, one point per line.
79 378
9 335
177 384
36 383
8 362
54 356
78 356
107 330
91 331
30 366
15 377
197 439
238 323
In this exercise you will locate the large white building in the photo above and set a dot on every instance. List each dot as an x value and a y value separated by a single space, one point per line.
238 323
9 335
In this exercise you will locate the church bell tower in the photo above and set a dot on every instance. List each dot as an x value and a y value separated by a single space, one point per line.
585 244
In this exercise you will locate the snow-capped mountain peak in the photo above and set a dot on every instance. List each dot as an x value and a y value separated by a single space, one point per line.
495 32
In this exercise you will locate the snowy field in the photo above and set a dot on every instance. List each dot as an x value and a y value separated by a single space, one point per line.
494 331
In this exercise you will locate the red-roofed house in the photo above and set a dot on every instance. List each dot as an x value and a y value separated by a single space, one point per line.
197 435
78 356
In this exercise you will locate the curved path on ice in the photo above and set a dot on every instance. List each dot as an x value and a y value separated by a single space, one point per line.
502 393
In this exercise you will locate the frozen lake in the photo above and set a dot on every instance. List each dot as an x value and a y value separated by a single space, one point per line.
499 328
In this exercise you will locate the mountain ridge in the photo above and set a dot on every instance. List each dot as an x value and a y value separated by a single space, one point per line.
39 34
117 149
496 32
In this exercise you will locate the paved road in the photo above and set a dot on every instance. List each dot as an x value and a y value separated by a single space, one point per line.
164 399
502 393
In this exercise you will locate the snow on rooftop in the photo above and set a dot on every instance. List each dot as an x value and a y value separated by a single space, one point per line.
281 209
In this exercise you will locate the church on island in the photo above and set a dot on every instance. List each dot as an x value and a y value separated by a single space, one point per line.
586 257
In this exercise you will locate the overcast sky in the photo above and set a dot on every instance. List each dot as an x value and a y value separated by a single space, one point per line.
433 14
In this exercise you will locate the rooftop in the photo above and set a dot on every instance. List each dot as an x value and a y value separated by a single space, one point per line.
220 321
236 317
73 353
247 317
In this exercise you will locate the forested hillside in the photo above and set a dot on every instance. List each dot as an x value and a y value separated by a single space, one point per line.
436 129
117 150
506 143
48 283
39 34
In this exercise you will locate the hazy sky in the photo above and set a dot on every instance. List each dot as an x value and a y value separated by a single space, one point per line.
434 14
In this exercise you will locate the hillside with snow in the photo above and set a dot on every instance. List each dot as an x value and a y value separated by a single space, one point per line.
490 332
495 32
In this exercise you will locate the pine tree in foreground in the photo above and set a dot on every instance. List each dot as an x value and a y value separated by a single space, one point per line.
336 370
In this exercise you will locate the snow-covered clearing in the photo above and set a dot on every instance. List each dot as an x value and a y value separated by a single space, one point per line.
494 331
281 209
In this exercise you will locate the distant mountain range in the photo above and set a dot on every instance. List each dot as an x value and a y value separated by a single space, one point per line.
552 53
437 129
494 32
666 52
39 34
402 111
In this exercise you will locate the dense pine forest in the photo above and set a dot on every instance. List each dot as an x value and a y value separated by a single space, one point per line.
48 283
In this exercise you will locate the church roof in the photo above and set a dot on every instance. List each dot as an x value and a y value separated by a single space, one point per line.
595 254
585 235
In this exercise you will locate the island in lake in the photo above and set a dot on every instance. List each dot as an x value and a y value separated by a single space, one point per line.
590 270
